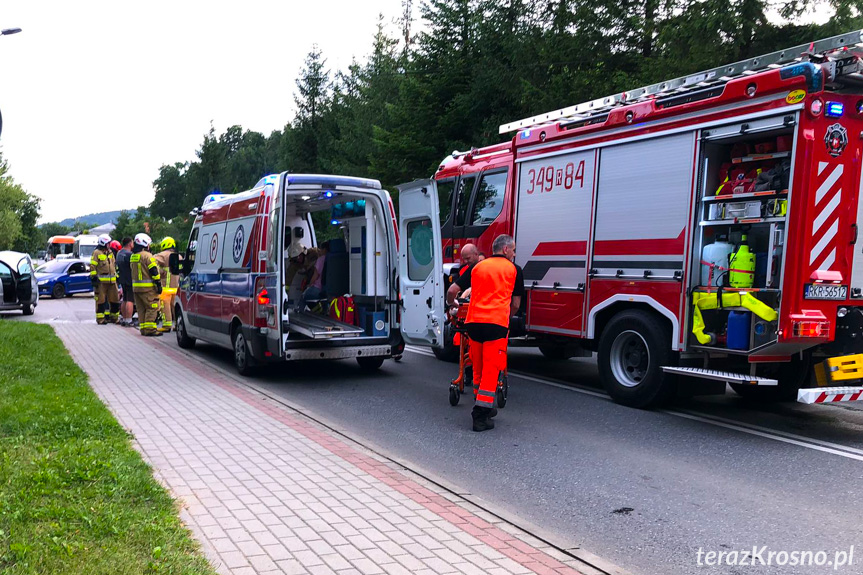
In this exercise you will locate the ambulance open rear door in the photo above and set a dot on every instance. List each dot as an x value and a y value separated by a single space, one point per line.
421 264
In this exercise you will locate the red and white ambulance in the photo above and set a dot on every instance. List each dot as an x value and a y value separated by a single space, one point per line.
238 288
696 232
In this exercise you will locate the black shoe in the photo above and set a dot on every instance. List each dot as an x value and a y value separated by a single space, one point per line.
482 419
492 413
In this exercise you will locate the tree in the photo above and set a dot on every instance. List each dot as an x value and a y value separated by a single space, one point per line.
307 138
19 212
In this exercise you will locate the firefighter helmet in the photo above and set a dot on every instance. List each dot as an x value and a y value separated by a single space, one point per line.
143 240
115 246
104 240
168 242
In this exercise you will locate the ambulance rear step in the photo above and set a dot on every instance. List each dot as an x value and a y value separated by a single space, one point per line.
829 394
318 326
726 376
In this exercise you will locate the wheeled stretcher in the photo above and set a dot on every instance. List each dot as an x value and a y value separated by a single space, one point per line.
465 366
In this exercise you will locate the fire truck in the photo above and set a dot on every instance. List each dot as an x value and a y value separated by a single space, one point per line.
694 233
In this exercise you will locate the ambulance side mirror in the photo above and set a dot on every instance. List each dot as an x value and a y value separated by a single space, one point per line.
174 264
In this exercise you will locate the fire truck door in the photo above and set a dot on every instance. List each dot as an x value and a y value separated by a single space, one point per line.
555 196
420 264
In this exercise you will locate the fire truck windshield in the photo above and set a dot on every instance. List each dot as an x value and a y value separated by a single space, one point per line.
444 193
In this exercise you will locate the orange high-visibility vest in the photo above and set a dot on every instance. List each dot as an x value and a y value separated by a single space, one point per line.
492 282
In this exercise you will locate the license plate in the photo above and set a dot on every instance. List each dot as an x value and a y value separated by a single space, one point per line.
822 291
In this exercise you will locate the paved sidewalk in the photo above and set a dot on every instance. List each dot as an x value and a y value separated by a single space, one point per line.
266 490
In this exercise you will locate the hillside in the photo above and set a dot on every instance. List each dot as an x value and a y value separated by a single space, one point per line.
94 219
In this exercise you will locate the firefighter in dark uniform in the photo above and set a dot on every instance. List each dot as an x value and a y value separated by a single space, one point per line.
146 284
103 275
497 286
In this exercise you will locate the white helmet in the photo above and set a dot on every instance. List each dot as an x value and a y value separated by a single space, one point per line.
104 240
143 240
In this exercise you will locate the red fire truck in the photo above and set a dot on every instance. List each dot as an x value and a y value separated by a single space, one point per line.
696 232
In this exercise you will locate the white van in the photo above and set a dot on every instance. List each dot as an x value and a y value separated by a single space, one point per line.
238 288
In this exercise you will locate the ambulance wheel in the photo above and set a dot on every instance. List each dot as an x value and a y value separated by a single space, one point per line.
502 392
454 395
59 291
242 357
370 363
184 340
449 352
632 349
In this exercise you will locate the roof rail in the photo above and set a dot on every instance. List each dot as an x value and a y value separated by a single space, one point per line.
818 51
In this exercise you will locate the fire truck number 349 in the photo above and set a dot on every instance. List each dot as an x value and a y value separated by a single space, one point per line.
547 179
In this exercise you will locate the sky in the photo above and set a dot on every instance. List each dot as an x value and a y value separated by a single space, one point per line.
97 95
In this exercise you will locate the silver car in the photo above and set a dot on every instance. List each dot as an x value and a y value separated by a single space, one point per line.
18 289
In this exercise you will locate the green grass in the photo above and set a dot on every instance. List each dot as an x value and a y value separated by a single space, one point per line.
74 496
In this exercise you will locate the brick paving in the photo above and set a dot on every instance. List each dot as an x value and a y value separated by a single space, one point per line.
266 490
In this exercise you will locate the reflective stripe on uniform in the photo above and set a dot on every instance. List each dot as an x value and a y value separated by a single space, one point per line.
103 257
107 279
142 284
154 305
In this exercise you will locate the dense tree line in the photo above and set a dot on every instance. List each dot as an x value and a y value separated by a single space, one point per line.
477 64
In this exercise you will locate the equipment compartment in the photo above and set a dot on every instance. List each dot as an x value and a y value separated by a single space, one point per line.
742 209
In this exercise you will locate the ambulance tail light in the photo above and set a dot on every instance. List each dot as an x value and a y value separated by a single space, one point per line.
813 329
262 302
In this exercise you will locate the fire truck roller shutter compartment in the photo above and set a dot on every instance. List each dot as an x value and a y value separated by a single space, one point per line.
643 202
555 196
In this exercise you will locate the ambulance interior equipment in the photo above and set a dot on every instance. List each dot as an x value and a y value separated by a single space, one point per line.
742 210
357 265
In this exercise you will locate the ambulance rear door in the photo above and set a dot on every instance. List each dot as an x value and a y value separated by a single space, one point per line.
421 264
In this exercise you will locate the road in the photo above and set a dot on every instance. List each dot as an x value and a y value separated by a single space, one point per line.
644 490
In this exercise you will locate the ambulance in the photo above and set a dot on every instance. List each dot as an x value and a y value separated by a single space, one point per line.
241 280
693 233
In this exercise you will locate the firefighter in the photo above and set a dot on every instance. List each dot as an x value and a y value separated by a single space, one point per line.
147 285
497 286
168 247
103 275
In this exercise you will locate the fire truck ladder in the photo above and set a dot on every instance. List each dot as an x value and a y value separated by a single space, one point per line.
832 51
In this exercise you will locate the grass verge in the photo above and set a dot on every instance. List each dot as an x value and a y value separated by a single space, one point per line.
74 496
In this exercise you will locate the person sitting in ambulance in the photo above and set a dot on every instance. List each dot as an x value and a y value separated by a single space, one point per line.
313 286
296 259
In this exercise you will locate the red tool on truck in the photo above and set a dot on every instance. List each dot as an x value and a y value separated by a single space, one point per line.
696 232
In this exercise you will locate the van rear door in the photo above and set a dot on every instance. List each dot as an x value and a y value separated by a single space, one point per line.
421 264
274 228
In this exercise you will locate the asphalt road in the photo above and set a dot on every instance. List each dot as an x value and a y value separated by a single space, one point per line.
643 489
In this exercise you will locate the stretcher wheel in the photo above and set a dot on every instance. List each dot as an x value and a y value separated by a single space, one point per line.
502 392
454 395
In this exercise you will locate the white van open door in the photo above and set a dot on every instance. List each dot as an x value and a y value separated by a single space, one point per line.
421 264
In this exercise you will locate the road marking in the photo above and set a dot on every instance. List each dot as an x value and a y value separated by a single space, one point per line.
775 435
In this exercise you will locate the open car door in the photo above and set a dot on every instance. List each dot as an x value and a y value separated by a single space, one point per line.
421 264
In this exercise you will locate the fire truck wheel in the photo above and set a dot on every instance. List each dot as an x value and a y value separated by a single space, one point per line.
184 340
633 347
791 376
554 352
370 363
242 357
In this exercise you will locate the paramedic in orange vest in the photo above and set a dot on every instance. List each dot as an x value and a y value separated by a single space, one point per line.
497 286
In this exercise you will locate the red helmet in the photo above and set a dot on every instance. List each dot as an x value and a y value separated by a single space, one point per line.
115 246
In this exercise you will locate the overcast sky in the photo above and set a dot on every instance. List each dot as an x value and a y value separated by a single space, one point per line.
96 95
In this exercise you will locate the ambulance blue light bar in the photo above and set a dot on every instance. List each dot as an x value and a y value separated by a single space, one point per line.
330 182
834 109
